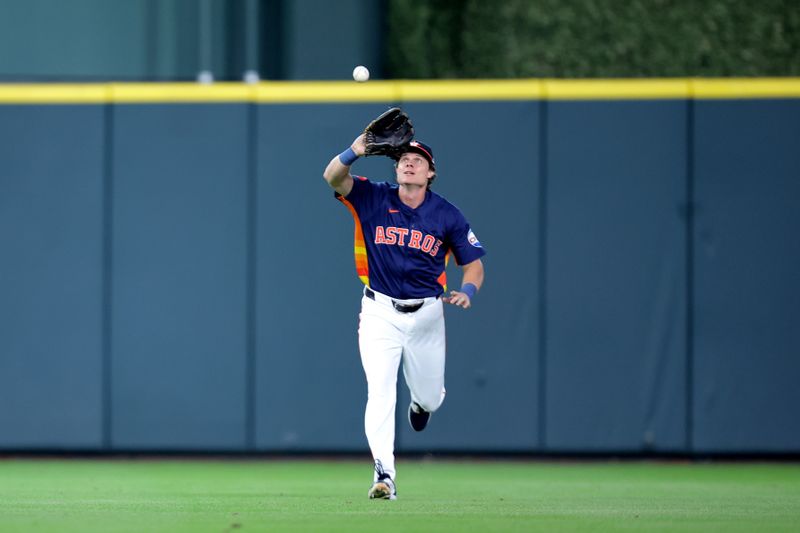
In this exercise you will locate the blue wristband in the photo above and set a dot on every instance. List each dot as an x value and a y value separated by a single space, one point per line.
348 157
469 289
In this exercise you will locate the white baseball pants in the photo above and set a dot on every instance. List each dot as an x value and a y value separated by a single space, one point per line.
385 336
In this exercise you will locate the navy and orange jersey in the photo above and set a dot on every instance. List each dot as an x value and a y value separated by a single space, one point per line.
400 251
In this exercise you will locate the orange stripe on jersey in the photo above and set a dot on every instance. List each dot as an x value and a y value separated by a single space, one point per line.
442 279
360 249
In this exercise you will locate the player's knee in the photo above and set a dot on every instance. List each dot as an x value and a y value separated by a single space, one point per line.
381 394
431 403
430 407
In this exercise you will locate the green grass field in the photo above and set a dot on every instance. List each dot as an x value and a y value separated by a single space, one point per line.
437 495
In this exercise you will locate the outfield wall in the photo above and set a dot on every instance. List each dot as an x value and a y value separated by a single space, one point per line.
176 275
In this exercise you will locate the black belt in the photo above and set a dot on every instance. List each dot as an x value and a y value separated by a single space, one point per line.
401 308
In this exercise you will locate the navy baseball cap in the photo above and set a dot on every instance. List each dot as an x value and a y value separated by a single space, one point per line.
422 149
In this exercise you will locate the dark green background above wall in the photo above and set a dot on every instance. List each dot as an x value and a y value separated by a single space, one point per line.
592 38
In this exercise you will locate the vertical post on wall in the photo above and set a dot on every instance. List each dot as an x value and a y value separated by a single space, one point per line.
204 36
252 38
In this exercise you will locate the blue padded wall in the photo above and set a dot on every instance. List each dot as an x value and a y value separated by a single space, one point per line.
747 276
51 277
615 282
180 277
180 233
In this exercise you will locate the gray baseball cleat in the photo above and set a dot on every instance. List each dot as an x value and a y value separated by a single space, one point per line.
383 489
417 416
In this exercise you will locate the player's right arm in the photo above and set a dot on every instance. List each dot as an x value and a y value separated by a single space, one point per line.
337 173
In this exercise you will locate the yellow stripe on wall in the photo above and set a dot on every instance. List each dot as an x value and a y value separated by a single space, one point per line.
326 91
398 91
743 88
401 91
54 93
449 90
616 89
138 93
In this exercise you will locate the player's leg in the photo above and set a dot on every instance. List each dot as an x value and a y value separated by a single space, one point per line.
380 346
424 362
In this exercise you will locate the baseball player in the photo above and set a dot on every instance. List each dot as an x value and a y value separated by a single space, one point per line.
404 234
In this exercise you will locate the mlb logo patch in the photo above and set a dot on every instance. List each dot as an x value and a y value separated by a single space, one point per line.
473 240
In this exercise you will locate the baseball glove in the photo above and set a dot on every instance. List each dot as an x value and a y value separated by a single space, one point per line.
389 134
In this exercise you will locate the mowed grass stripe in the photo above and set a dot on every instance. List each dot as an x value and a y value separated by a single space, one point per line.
317 495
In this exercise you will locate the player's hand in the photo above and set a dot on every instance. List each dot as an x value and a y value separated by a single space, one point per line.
359 145
458 298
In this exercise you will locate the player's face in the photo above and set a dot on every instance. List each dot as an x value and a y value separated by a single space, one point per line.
413 169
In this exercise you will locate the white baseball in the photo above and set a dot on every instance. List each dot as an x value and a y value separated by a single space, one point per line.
360 73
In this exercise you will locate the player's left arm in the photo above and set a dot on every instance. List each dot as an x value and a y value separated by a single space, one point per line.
473 275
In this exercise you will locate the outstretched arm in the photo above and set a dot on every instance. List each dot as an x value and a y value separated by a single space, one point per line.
473 275
337 173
